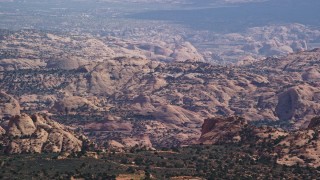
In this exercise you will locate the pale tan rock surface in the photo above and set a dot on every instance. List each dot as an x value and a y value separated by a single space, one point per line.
37 133
2 131
21 126
73 103
140 141
115 144
8 105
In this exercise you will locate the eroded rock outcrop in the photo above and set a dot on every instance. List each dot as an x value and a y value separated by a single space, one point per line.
287 104
67 63
175 115
21 125
141 141
72 104
115 145
222 130
2 131
8 105
298 103
37 133
300 147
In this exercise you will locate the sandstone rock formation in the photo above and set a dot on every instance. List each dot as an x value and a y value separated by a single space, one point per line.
73 104
291 148
115 145
141 141
8 105
297 102
2 131
222 130
175 115
66 63
287 104
21 125
257 43
186 51
166 100
36 134
20 63
69 53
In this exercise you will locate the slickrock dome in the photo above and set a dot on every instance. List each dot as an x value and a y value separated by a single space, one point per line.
37 133
64 63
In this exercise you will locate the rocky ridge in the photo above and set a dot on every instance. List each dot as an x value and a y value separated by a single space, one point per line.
37 134
299 147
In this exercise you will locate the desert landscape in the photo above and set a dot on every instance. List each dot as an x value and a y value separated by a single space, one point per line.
110 90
